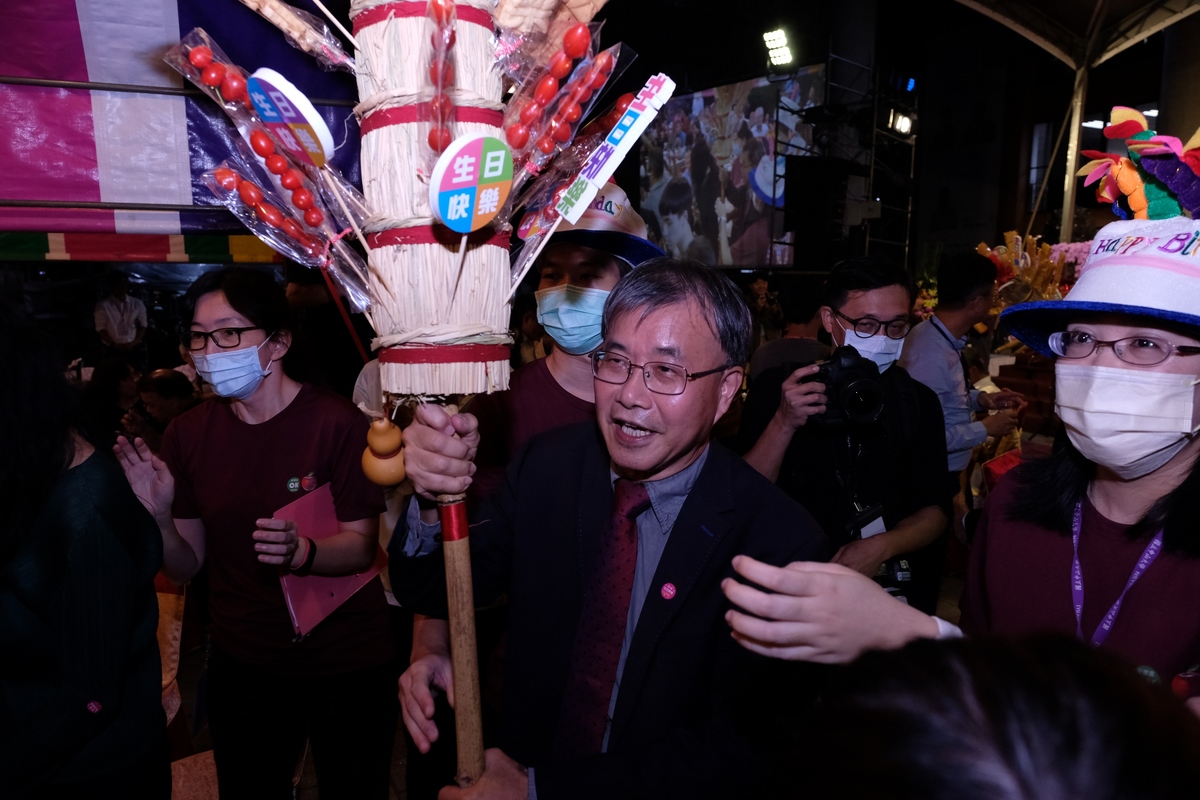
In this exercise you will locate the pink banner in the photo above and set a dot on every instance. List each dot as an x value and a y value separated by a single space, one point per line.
41 39
47 144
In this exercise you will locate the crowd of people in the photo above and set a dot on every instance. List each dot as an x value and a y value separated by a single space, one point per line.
701 511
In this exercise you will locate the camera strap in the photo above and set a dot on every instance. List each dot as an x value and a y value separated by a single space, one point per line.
844 468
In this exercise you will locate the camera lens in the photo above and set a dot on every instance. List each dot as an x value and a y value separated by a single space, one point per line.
862 401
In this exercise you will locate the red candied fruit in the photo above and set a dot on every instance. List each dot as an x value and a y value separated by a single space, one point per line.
292 179
518 136
226 178
261 143
200 56
251 195
269 214
577 40
213 74
302 199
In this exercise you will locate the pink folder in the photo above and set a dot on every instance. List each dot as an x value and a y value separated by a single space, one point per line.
312 598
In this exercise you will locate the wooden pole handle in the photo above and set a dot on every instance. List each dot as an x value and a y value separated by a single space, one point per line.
468 719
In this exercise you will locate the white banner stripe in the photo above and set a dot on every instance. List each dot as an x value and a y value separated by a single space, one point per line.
123 42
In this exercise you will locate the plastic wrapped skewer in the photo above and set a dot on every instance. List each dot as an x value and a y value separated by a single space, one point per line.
314 198
259 206
545 120
305 32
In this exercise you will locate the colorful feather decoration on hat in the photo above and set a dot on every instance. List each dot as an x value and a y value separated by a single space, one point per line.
1148 195
1175 164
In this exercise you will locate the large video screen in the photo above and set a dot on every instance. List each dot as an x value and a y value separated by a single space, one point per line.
712 166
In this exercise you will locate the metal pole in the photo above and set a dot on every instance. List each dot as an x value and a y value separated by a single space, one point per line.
1050 165
1069 182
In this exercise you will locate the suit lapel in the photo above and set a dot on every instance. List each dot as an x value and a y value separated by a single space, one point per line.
595 507
702 523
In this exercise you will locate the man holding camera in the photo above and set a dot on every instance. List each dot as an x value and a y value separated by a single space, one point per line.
855 439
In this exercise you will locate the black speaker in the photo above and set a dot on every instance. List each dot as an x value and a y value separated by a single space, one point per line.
815 196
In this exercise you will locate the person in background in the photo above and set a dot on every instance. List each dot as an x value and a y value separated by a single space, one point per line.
1099 540
764 310
989 719
620 679
658 181
800 306
966 294
226 467
706 185
530 341
120 318
165 394
109 396
80 675
675 208
876 486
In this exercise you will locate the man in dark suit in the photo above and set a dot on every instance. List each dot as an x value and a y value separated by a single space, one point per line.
621 678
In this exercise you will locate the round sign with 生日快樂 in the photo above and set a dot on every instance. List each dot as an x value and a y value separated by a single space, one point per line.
471 182
291 117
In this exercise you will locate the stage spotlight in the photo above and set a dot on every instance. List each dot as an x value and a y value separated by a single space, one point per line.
900 123
777 48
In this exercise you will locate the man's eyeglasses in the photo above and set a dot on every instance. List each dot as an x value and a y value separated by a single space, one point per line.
225 338
866 327
1144 351
660 377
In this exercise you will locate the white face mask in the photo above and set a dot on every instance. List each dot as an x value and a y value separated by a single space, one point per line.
881 349
1131 421
233 374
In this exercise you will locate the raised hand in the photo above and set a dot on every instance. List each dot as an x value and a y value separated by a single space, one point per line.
817 612
148 476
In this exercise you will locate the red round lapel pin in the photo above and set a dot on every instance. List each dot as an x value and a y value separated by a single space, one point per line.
668 591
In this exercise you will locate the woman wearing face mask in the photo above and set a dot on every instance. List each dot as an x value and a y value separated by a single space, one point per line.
225 467
1099 540
577 270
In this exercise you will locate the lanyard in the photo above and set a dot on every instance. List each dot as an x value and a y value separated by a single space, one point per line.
937 326
1148 555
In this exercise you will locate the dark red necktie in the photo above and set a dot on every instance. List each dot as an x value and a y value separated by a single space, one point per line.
601 631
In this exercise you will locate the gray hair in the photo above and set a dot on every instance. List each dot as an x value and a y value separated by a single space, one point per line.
663 282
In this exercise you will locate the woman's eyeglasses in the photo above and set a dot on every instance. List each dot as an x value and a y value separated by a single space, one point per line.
1144 351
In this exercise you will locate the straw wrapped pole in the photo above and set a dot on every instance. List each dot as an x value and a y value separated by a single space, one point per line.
437 341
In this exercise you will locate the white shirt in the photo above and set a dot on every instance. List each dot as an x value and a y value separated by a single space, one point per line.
120 318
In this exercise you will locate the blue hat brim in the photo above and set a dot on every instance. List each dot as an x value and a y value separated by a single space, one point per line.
1033 323
633 250
763 195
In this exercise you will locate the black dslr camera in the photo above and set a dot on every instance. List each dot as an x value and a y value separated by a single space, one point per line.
851 386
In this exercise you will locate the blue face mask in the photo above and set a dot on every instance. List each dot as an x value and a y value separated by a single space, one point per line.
571 315
234 374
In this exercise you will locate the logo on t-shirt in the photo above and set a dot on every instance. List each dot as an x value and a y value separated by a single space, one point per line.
308 482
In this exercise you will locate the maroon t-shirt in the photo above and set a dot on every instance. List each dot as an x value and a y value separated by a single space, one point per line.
228 474
1019 582
535 403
